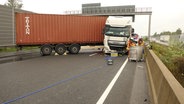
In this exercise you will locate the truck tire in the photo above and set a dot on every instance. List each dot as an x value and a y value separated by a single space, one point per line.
46 50
74 48
60 49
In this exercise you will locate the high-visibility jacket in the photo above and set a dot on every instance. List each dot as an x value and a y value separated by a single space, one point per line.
141 43
130 43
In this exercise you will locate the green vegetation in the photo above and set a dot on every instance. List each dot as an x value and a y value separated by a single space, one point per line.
7 49
14 49
173 58
178 31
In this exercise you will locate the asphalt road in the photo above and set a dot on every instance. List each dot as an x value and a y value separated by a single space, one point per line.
73 79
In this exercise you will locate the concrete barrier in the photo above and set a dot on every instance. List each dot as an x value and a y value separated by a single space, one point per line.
165 89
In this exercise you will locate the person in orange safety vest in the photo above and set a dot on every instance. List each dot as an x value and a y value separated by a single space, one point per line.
140 42
133 40
130 43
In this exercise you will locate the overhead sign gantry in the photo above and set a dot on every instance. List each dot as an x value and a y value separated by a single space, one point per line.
127 10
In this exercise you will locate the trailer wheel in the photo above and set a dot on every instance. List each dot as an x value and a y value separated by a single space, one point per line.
74 48
60 49
46 50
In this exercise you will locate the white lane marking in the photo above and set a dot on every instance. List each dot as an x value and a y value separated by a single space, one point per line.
108 89
140 66
93 54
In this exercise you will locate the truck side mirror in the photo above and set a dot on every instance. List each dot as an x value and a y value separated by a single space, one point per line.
132 30
105 29
128 36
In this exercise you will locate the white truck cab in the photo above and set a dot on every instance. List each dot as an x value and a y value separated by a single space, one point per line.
116 33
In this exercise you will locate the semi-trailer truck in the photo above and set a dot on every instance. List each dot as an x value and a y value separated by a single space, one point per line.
61 32
58 32
116 33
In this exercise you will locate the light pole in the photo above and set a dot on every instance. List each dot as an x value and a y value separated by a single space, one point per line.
13 22
149 28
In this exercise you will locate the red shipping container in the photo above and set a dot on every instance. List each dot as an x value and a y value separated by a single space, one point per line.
38 29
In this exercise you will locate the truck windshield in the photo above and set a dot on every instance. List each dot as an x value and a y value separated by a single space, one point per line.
117 31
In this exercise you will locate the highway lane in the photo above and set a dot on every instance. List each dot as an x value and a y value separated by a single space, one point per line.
72 79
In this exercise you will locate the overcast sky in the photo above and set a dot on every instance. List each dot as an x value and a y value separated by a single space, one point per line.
167 15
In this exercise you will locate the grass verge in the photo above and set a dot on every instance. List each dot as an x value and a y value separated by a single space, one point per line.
173 57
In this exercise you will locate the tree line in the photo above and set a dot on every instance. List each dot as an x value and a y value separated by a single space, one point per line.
16 4
177 32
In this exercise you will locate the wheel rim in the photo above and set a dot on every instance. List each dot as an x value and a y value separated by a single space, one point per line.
60 49
75 49
46 50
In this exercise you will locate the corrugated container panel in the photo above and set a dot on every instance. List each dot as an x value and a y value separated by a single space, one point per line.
34 29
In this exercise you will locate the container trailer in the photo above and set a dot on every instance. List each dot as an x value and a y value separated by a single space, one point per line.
58 32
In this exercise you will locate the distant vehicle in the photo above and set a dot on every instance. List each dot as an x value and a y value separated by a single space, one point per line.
59 32
116 33
153 39
165 38
181 39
